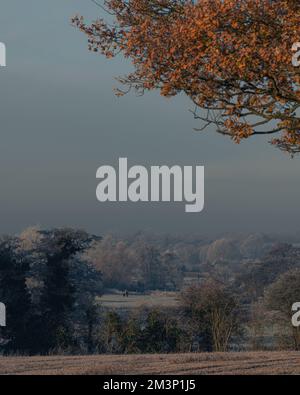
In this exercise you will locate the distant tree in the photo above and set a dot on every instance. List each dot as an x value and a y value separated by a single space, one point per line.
211 312
113 332
258 275
279 298
233 59
259 323
132 334
153 273
172 268
160 334
135 264
115 260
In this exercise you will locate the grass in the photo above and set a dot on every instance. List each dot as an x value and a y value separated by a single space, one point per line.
269 363
154 299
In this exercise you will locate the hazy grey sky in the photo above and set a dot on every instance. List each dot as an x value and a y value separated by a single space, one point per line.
60 121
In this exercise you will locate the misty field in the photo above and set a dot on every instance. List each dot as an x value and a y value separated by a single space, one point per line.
258 363
151 300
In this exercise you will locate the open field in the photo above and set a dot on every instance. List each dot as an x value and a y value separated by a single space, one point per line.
200 364
152 300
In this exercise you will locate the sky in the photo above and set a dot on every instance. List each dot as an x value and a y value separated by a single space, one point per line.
60 121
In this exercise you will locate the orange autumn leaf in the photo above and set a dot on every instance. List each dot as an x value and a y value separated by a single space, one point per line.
232 58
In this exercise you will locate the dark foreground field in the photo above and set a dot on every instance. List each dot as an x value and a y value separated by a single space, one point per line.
208 364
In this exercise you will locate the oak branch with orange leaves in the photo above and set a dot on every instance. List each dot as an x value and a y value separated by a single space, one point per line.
233 59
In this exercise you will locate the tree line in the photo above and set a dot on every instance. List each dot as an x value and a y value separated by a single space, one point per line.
52 281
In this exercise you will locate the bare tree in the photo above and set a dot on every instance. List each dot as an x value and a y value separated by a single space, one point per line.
212 312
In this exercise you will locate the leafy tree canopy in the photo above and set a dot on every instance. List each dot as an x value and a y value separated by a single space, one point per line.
232 58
